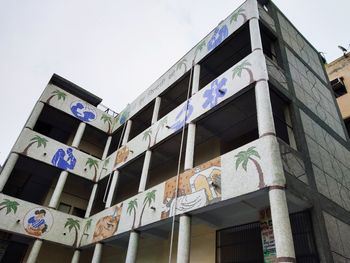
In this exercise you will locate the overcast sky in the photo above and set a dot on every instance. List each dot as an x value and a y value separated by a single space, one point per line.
116 49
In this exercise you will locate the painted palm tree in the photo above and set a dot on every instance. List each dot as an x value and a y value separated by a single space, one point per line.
243 157
72 223
199 48
9 205
85 230
149 199
162 123
92 163
57 93
106 118
237 71
147 135
132 206
40 141
182 64
236 14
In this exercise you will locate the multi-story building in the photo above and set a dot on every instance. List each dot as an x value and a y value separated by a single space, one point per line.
339 74
238 153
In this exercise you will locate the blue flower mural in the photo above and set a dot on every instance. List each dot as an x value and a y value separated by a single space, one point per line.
124 115
217 90
218 37
82 111
59 159
182 116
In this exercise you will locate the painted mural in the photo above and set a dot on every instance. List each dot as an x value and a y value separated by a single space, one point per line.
73 224
181 117
107 225
38 140
38 221
198 187
64 159
244 66
92 163
238 13
85 233
109 120
10 206
212 94
83 111
250 156
219 35
267 237
57 94
122 155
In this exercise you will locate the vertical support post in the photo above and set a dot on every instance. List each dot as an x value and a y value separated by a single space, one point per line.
156 110
281 225
76 256
34 252
34 116
184 241
255 37
196 75
91 201
127 132
7 169
112 188
106 149
131 253
78 135
96 258
58 190
144 173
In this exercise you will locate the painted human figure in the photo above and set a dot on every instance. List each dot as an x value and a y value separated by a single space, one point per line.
84 115
217 90
218 37
58 159
182 116
36 224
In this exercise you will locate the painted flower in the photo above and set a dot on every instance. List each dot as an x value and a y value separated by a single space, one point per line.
182 116
212 94
218 37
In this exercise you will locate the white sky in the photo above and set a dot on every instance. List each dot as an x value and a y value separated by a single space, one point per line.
116 49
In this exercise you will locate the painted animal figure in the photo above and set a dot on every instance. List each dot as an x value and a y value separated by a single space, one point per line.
80 111
107 225
218 37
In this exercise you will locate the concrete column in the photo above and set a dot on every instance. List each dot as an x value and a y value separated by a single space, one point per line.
255 37
191 135
144 173
266 124
96 258
184 240
58 190
33 255
91 201
281 225
108 144
79 134
156 110
76 255
131 254
7 169
196 75
112 188
127 132
34 116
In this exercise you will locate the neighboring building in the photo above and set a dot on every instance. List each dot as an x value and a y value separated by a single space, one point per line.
339 74
263 146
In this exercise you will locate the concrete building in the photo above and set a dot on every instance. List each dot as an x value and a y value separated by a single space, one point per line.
238 153
339 74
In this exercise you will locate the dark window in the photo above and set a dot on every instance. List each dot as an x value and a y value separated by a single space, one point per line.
347 125
338 87
65 208
78 212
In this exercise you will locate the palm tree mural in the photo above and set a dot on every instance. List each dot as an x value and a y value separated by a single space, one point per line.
57 93
162 123
149 199
181 64
199 48
132 205
85 230
9 205
235 15
147 135
41 141
243 157
92 163
106 118
237 71
72 223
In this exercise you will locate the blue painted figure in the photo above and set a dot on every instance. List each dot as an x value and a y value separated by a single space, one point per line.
82 112
124 115
58 159
212 94
218 37
36 225
180 119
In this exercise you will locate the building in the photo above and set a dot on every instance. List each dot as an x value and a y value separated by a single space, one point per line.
339 74
263 172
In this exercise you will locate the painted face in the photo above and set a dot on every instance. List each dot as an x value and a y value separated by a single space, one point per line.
40 216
